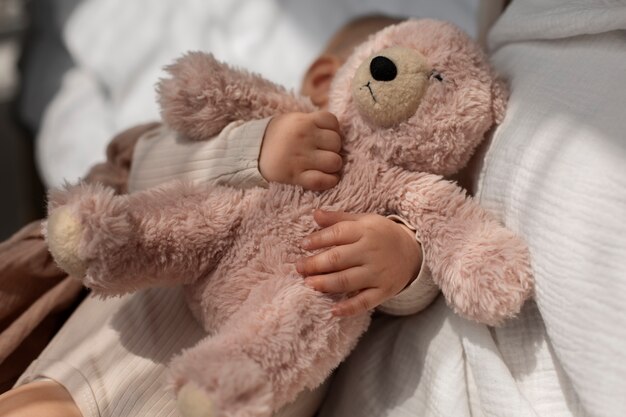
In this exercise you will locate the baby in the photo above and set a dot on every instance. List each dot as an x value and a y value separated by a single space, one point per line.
376 259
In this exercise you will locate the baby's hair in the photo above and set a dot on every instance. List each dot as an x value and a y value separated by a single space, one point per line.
356 31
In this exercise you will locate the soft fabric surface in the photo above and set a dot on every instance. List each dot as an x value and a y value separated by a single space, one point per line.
35 295
114 362
555 173
565 156
120 47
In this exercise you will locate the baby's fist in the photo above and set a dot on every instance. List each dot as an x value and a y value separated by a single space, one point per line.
302 149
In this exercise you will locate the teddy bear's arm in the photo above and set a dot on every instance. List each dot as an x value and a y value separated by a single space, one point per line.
482 268
163 236
203 95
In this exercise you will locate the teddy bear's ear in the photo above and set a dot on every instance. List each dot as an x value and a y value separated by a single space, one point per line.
499 98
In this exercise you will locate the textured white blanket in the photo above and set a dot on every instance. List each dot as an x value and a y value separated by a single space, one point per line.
556 173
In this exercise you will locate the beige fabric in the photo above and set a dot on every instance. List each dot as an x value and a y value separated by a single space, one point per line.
229 158
35 295
112 356
27 288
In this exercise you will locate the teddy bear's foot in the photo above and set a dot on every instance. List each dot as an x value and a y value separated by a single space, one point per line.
224 386
193 402
63 234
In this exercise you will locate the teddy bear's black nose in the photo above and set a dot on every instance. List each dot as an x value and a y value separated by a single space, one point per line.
383 69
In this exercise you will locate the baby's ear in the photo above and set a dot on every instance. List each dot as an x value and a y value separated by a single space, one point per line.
499 98
318 78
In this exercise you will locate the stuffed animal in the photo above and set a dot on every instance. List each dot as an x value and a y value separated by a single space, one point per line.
413 103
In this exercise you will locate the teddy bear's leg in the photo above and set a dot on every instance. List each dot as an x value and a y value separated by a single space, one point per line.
482 268
163 236
282 340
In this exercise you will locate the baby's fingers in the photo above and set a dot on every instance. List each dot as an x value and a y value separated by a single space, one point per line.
328 141
325 120
342 233
331 260
346 281
360 303
316 180
326 161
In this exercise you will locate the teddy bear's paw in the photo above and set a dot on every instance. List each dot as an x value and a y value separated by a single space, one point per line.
495 277
226 386
64 232
193 402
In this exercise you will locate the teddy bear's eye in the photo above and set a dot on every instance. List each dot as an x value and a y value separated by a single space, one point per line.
436 75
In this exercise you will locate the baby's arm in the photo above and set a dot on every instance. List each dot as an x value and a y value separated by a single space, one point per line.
230 158
293 148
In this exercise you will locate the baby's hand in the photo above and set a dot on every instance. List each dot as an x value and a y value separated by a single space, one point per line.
370 256
302 149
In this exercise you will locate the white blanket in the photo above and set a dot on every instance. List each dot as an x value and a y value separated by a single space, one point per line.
556 173
120 47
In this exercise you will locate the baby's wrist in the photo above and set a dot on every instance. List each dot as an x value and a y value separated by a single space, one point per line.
420 291
415 243
262 161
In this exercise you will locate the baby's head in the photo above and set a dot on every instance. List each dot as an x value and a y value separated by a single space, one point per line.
317 80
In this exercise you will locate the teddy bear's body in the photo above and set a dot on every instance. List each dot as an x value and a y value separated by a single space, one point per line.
269 335
257 250
271 248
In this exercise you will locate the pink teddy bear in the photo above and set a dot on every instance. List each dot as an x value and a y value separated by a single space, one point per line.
413 103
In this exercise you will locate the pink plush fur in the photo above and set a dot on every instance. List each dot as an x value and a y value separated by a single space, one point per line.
270 335
202 97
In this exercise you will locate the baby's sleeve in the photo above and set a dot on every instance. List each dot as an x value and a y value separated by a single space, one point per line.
230 158
416 296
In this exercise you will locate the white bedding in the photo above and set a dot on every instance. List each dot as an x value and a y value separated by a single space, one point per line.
120 47
556 174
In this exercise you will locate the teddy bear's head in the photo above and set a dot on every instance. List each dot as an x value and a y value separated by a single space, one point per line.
420 95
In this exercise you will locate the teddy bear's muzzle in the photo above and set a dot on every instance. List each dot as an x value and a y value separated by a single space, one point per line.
388 86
